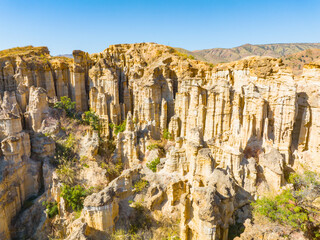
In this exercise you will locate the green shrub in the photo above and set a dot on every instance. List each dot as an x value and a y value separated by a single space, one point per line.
91 119
283 209
292 207
140 185
153 164
305 180
70 142
118 128
85 165
51 208
74 196
167 135
66 104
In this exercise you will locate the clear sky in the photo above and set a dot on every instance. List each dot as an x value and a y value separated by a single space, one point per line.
92 25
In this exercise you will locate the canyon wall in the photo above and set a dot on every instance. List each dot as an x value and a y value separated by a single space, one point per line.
235 129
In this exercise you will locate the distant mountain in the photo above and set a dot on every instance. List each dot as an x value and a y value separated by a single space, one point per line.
65 55
217 55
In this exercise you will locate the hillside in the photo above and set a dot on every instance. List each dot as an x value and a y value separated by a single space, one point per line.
297 60
19 51
218 55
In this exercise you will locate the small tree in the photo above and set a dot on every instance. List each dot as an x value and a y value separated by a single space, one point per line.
51 208
74 196
118 128
153 164
66 104
291 207
167 135
90 118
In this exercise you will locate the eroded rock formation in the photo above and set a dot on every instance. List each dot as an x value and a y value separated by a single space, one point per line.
233 129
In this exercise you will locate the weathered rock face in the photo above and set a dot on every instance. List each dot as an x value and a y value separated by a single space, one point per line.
38 108
19 175
101 210
58 76
233 104
233 129
306 132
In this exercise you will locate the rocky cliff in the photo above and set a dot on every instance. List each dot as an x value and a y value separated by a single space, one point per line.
221 135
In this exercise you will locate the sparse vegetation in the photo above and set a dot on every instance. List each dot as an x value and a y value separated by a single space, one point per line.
85 165
113 169
165 229
154 146
66 173
159 53
74 196
118 128
24 51
296 61
153 164
304 181
51 208
140 185
83 158
90 118
283 209
65 150
167 135
184 55
140 219
106 147
64 159
77 214
66 104
291 207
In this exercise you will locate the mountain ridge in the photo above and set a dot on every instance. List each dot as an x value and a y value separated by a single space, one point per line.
218 55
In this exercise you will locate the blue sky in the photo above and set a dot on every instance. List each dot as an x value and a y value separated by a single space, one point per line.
92 25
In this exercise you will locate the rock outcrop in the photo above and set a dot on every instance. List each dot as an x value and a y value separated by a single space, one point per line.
231 132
